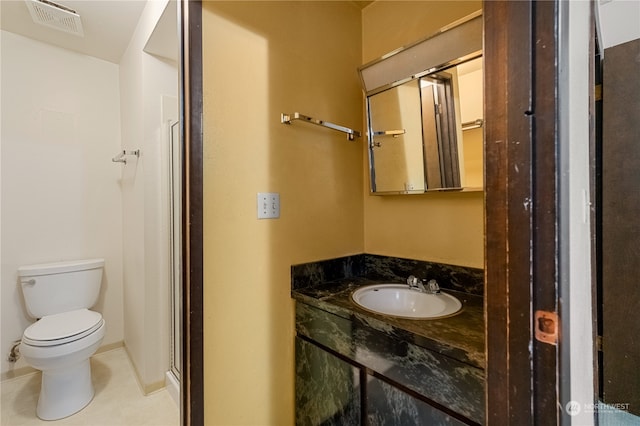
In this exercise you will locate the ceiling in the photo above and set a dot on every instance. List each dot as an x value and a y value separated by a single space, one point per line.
618 21
108 25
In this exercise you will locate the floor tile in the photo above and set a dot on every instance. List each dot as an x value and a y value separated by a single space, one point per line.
118 400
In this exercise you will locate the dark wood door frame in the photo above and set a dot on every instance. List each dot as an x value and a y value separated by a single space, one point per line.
521 214
192 379
521 179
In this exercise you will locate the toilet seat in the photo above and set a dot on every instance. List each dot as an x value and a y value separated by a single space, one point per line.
62 328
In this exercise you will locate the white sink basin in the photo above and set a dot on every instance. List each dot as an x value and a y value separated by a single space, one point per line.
399 300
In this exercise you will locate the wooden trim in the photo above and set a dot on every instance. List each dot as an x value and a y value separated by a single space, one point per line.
192 380
508 138
546 216
521 223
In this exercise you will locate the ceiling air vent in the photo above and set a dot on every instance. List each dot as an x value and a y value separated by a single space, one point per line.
56 16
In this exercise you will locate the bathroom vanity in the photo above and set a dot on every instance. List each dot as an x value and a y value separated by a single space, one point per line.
355 367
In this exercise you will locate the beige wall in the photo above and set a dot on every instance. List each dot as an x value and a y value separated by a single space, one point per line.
262 59
445 228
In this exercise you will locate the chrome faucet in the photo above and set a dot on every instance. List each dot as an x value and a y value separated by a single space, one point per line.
417 284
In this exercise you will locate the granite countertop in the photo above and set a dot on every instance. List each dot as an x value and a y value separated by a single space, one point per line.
460 337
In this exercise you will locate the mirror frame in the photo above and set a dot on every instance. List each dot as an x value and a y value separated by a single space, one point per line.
379 75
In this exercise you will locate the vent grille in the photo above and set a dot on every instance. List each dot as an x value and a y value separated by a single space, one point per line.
56 16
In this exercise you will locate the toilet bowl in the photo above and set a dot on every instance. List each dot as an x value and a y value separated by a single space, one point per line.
67 333
60 346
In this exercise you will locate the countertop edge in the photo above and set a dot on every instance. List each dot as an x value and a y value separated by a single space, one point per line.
335 298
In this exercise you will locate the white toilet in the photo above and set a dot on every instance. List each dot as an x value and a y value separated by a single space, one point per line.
66 334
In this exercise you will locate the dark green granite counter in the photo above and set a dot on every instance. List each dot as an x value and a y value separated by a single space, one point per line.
439 362
460 337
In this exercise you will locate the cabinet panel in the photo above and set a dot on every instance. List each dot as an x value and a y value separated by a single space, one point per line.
445 380
389 406
327 388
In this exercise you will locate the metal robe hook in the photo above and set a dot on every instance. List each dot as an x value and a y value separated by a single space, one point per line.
120 158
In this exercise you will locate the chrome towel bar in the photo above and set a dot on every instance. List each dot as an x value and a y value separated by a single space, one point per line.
120 158
394 133
475 124
288 118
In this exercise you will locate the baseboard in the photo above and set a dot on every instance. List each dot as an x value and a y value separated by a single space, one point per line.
152 387
110 347
173 387
23 371
18 372
145 388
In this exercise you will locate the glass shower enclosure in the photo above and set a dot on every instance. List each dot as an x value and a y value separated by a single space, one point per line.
175 220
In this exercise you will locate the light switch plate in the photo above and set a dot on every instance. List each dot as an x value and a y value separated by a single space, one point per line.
268 205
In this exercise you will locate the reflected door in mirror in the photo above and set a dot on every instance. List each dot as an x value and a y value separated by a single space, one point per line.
395 153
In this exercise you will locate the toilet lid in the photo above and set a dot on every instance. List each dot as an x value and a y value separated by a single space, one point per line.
62 328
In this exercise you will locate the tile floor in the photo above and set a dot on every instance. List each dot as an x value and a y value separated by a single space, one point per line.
118 400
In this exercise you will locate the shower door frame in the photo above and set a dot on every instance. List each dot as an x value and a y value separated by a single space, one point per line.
175 222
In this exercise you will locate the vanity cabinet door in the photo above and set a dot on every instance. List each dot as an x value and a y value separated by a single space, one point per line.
327 388
390 406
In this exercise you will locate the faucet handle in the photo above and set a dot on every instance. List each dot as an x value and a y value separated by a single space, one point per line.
433 286
413 281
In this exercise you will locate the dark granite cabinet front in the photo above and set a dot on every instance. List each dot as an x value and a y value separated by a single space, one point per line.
386 405
349 374
327 388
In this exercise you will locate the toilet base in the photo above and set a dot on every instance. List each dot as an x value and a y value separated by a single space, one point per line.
65 391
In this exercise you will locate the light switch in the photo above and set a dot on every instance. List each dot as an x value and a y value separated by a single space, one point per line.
268 205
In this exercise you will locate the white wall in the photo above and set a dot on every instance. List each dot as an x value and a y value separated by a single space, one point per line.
618 22
144 80
60 190
575 259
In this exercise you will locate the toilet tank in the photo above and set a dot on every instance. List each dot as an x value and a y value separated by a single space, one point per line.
52 288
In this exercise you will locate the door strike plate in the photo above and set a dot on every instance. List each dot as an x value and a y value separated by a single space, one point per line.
546 327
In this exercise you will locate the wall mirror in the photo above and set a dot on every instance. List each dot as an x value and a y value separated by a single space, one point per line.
425 113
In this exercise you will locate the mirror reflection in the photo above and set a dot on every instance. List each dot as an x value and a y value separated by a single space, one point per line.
426 133
395 151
